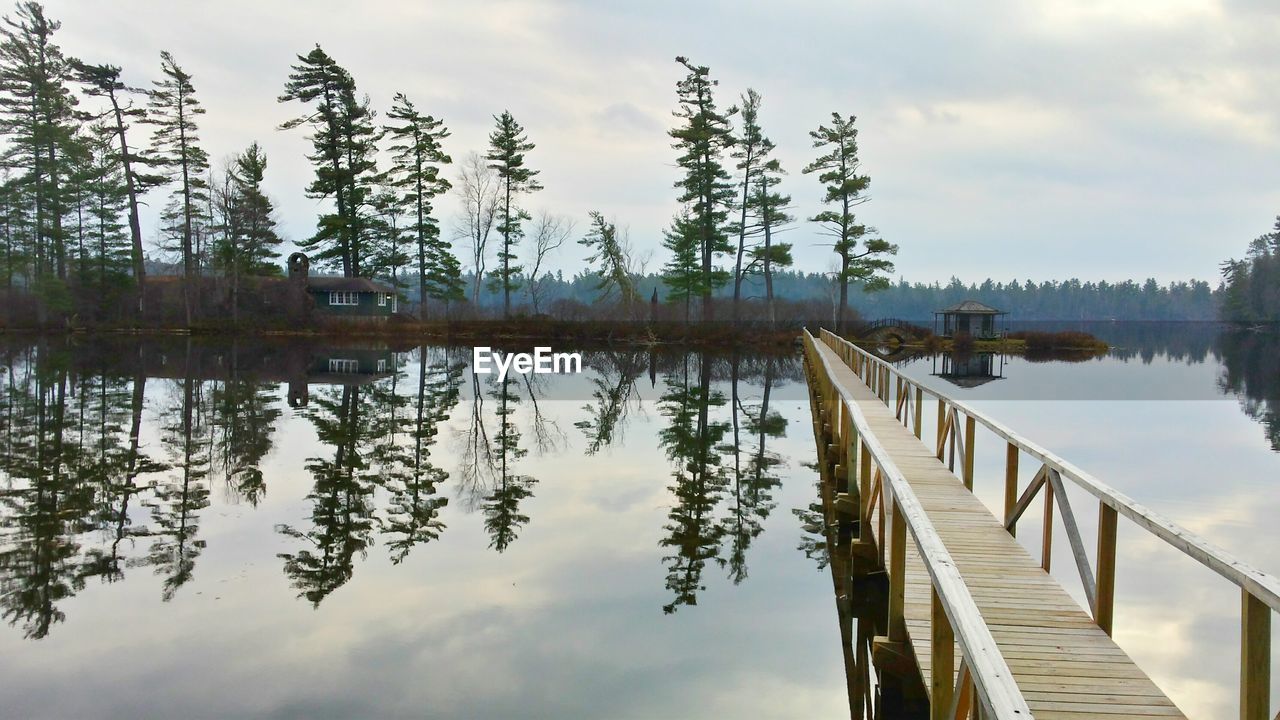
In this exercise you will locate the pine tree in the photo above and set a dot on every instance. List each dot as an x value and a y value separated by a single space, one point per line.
610 259
106 196
751 148
247 239
838 170
174 109
683 272
417 158
702 138
388 237
769 208
104 81
37 117
507 146
344 143
254 214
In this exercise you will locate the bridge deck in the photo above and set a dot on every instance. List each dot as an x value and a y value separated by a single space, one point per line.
1065 665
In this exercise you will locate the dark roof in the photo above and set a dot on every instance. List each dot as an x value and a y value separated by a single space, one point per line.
347 284
972 307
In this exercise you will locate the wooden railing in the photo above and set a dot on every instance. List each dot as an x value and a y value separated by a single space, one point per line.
1260 592
984 679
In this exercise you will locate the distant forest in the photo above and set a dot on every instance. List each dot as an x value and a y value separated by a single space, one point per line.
1026 300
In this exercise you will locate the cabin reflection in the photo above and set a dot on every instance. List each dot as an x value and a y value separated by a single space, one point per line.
299 365
969 370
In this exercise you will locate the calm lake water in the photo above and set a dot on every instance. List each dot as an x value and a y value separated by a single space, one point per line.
217 529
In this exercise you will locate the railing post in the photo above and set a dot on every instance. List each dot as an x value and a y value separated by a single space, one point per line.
1010 484
942 423
1104 603
942 647
970 425
864 490
1046 539
1255 658
919 409
897 571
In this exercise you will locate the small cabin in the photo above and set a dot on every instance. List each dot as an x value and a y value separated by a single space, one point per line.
352 297
356 298
970 317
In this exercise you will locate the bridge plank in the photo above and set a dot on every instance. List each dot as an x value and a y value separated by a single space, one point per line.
1065 664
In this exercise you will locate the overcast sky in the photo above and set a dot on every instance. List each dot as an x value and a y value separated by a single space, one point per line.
1103 140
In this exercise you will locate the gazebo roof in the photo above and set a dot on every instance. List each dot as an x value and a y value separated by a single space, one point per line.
971 307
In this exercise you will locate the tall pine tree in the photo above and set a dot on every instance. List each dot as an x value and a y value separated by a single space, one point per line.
507 146
174 109
37 118
104 81
417 157
702 137
838 169
344 142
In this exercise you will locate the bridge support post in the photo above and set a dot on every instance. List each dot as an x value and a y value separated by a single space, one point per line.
1010 485
1255 658
942 652
897 573
1104 602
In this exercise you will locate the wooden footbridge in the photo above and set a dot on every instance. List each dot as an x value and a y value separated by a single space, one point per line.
975 625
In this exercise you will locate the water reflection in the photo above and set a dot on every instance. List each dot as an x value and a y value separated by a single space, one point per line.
1251 372
127 442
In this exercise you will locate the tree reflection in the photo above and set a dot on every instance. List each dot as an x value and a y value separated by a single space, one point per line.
62 472
755 477
689 439
177 500
341 498
245 419
502 516
1251 373
410 474
613 395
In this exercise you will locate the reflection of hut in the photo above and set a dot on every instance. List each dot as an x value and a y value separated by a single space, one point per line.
969 371
341 366
970 317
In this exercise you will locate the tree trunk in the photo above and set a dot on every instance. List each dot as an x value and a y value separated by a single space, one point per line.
135 227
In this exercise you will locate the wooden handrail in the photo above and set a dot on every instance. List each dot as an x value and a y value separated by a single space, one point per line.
1261 585
997 691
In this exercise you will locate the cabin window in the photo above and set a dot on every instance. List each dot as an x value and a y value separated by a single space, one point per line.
344 366
382 299
344 298
382 366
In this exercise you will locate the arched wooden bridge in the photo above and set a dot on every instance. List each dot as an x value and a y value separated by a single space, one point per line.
975 625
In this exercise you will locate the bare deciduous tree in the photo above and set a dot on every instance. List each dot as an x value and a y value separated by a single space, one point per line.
478 187
549 233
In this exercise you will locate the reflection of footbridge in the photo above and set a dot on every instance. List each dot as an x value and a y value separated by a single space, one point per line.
971 624
892 330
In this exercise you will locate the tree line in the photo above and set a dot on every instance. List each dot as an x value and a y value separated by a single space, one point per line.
810 296
1251 292
84 148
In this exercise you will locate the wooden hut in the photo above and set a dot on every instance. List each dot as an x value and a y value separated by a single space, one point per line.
970 317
